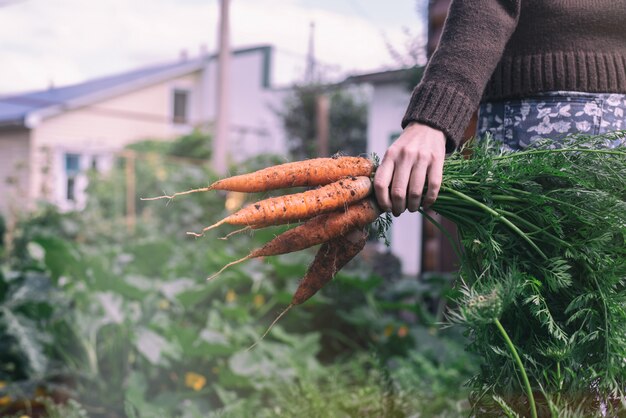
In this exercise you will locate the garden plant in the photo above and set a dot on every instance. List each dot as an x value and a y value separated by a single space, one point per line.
101 320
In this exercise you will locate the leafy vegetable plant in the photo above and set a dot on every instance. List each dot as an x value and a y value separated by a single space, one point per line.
543 277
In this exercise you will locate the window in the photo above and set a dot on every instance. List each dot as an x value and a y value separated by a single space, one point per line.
180 111
72 168
71 189
72 164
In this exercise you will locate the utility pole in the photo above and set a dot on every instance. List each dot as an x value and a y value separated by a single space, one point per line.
309 75
322 100
222 128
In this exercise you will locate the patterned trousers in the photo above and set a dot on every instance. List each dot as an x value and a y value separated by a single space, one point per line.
518 123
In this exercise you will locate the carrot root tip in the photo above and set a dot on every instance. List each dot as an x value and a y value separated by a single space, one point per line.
208 228
291 305
235 232
157 197
170 197
232 263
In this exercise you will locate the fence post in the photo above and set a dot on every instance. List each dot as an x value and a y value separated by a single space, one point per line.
322 122
129 167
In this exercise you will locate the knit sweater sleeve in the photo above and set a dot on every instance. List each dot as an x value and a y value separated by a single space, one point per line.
473 39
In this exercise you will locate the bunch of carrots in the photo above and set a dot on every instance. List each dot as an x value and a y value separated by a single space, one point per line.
542 235
334 213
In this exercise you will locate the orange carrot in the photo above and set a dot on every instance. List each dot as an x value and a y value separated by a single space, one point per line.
314 172
331 257
315 231
300 206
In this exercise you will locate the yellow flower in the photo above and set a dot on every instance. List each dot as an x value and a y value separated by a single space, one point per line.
403 331
231 296
2 384
388 330
259 300
194 381
164 304
5 400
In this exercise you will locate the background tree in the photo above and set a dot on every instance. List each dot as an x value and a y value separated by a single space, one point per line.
347 124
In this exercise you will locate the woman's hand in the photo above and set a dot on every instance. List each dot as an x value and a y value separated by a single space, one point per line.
417 155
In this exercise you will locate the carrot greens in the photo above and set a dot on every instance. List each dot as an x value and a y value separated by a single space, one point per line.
543 271
542 289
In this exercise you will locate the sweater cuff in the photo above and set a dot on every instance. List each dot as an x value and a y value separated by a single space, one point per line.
440 107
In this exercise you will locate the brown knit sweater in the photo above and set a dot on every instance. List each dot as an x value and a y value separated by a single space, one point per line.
496 49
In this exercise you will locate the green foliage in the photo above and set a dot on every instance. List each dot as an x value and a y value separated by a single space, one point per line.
544 256
28 302
347 124
298 119
414 76
71 409
194 145
125 325
2 232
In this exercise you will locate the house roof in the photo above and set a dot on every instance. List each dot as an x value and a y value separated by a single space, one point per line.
382 77
26 109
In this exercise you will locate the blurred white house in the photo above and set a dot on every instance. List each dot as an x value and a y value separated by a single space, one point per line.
49 138
390 94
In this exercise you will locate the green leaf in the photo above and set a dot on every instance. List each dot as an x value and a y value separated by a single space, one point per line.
366 284
29 340
201 344
136 402
155 348
149 257
199 293
60 257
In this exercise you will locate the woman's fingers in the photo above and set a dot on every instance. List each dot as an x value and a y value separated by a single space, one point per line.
435 177
382 180
399 182
416 186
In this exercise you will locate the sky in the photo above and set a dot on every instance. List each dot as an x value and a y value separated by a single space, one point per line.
59 42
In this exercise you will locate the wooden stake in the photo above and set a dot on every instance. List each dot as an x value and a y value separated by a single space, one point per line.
322 107
131 193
